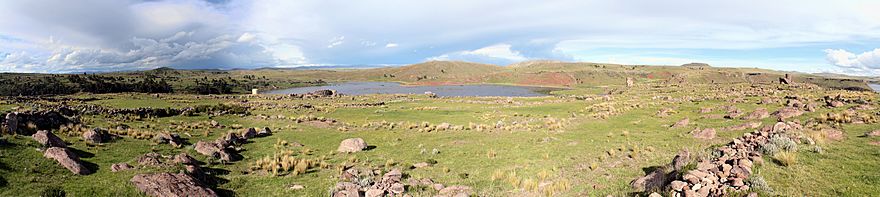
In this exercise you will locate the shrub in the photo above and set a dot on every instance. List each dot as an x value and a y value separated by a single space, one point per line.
53 192
785 158
757 183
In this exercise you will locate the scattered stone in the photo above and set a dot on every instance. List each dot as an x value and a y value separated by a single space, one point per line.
170 138
681 123
297 187
657 179
421 165
352 145
47 139
68 159
170 185
150 159
116 167
250 133
455 191
758 114
185 159
265 132
874 133
681 160
706 134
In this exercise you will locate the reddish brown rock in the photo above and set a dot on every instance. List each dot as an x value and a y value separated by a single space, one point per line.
706 134
681 123
352 145
116 167
170 185
68 159
47 139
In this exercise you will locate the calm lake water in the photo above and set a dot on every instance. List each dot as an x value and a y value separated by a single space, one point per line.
876 87
360 88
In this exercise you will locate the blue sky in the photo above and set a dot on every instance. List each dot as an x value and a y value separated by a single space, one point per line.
106 35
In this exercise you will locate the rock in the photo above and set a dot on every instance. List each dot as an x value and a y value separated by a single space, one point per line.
455 191
737 182
170 138
681 123
170 185
346 189
374 193
629 82
706 134
655 194
185 159
437 186
94 136
352 145
835 104
47 139
787 112
297 187
785 80
681 160
207 148
677 185
12 122
265 132
874 133
833 134
150 159
656 179
705 110
421 165
396 188
68 159
215 124
116 167
250 133
759 113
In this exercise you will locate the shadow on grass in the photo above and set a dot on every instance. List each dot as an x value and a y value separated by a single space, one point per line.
80 153
212 179
369 147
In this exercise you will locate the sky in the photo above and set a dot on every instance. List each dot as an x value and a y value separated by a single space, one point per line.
58 36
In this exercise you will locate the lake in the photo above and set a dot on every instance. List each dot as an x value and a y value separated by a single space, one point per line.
876 87
360 88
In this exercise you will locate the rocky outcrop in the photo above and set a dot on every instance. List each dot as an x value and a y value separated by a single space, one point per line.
68 159
787 112
17 122
758 114
170 185
47 139
352 145
719 175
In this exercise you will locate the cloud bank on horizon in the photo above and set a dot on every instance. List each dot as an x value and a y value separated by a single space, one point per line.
107 35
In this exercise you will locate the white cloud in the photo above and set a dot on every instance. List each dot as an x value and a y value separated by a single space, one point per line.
256 33
498 54
867 63
246 37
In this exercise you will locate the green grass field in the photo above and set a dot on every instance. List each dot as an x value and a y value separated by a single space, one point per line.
561 145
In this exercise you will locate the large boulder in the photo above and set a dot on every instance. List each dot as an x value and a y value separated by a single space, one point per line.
11 122
47 139
94 136
214 150
352 145
787 112
68 159
170 185
250 133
